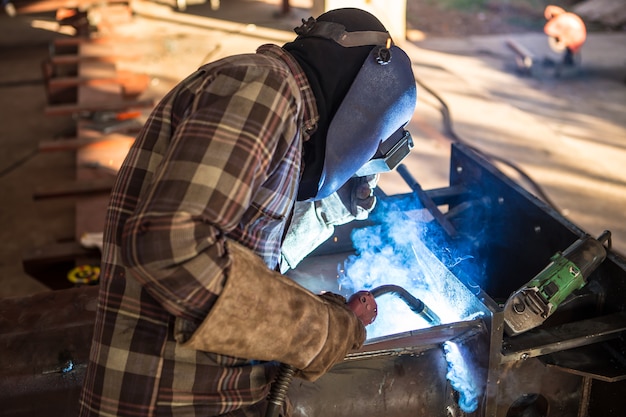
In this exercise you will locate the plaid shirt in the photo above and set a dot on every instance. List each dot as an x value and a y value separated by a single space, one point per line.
219 157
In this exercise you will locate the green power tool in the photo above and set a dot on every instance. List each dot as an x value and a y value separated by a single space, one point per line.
567 272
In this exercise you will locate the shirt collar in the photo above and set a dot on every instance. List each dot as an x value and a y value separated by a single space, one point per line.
310 115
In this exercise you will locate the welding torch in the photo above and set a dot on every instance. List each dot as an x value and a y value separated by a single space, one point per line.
415 304
363 304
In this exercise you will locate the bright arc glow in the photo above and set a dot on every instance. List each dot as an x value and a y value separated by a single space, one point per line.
461 378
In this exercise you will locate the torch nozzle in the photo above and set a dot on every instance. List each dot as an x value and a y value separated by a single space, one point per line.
415 304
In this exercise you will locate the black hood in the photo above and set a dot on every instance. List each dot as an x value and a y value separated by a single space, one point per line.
330 69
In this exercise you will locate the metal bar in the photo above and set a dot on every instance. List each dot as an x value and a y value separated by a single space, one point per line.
428 203
540 342
585 396
599 361
494 374
523 56
74 81
411 341
63 109
448 195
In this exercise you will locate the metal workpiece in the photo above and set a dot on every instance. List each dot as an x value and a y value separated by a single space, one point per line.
414 341
570 365
400 385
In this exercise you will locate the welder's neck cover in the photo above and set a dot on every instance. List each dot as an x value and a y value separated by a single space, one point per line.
364 90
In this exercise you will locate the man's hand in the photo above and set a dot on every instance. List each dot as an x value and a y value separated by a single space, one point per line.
263 315
357 195
313 222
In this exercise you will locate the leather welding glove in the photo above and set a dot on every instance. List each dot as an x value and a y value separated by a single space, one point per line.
263 315
357 198
314 222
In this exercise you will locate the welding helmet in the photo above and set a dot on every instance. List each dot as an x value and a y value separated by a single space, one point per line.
366 94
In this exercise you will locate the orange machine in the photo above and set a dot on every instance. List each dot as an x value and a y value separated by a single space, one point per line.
566 30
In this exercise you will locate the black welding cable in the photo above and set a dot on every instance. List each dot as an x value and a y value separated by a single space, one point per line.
18 163
449 129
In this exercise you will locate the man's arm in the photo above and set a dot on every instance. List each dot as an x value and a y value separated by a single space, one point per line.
314 222
225 298
218 157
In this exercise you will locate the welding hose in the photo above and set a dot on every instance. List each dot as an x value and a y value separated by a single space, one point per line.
278 392
415 304
362 304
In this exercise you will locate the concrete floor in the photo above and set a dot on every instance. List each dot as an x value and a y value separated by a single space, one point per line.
567 133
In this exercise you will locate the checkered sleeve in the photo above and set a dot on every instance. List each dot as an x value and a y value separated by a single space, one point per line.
226 137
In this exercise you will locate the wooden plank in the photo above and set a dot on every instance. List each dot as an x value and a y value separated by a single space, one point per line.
77 81
72 144
77 40
132 84
75 188
76 59
55 253
65 109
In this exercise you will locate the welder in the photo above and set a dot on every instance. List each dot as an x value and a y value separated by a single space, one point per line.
246 153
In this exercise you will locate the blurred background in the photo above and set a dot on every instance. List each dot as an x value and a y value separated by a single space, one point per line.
488 75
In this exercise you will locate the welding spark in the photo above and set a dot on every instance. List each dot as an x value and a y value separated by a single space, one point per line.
68 367
460 259
461 378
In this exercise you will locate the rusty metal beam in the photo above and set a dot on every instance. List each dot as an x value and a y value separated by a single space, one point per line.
45 340
65 109
28 6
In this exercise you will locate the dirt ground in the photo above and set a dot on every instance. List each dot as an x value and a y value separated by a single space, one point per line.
498 17
435 19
